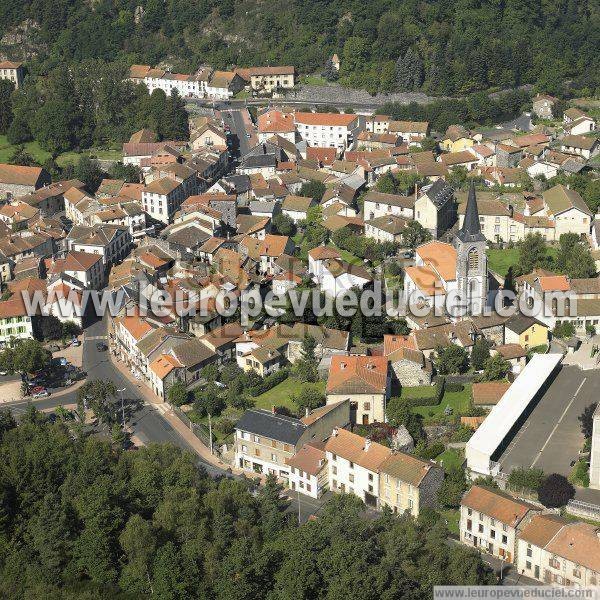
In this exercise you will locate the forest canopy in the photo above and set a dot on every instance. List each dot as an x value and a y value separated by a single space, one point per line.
82 519
440 46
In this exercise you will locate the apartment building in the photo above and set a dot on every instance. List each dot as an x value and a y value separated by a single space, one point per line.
378 204
269 79
111 242
162 198
558 552
490 521
326 130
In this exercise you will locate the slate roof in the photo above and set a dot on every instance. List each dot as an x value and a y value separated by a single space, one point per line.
272 425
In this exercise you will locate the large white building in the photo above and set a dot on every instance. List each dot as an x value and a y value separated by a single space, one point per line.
326 130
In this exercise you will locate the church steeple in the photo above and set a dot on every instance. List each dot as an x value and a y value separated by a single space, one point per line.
471 229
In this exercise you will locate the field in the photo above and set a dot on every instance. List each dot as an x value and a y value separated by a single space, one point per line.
40 155
280 395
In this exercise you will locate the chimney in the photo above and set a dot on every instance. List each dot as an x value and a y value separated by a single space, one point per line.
273 409
367 444
334 433
306 411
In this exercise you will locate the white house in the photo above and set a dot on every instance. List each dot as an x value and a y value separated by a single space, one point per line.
328 130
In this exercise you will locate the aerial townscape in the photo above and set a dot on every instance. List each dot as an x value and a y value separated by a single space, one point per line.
300 300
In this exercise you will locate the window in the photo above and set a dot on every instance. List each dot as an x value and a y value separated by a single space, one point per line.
480 528
469 525
528 566
366 406
504 539
244 448
256 452
274 457
308 487
576 572
370 476
273 444
350 464
493 534
256 439
333 457
469 511
334 470
529 553
504 527
350 478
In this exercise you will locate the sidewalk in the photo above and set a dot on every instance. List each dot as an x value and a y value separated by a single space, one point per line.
166 413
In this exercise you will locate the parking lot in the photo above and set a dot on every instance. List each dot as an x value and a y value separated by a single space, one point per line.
551 436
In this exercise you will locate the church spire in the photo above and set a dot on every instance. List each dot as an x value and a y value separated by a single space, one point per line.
471 229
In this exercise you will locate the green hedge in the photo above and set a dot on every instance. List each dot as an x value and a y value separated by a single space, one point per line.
440 389
268 382
454 387
432 451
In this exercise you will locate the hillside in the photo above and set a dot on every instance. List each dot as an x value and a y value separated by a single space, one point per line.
445 47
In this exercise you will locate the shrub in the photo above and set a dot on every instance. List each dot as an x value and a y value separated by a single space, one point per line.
555 491
529 479
270 381
454 387
430 451
225 426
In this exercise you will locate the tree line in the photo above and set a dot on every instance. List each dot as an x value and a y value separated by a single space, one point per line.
81 518
87 105
440 47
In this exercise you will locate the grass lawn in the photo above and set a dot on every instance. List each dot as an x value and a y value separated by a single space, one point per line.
420 391
314 80
280 394
39 155
452 516
459 401
450 458
500 260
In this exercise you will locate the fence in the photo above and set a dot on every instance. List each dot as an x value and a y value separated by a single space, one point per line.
199 430
587 510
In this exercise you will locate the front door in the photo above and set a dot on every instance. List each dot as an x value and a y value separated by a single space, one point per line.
537 572
365 419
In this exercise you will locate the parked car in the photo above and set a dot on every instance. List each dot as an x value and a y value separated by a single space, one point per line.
42 393
3 373
75 342
101 347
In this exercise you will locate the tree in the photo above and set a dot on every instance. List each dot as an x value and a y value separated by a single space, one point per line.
89 171
313 189
555 491
70 329
451 359
496 367
453 487
533 253
586 419
208 401
283 224
480 353
55 126
7 360
51 328
574 258
7 421
29 356
409 71
414 234
99 396
21 157
128 173
178 394
526 479
563 330
6 105
310 396
305 369
398 412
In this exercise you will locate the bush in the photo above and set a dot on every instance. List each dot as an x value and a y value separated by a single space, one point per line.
462 434
431 451
225 426
270 381
528 479
454 387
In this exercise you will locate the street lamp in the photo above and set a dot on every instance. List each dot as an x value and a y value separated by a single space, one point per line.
122 407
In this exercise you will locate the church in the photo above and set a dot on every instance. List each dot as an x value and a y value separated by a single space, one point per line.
447 275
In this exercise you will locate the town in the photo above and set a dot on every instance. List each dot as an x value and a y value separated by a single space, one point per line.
488 421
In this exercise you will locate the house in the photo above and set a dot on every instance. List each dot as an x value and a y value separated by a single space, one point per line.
543 106
568 210
13 71
331 130
276 122
514 354
270 248
162 198
408 484
526 331
86 268
337 276
580 145
556 551
16 180
308 470
457 139
296 207
208 136
129 330
576 122
16 322
411 131
270 79
65 301
363 380
507 155
435 208
266 440
487 394
378 204
353 464
328 341
409 367
386 228
377 123
491 520
112 242
464 159
496 220
223 85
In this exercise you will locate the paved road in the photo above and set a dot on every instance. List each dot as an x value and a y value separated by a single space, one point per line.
551 436
239 125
